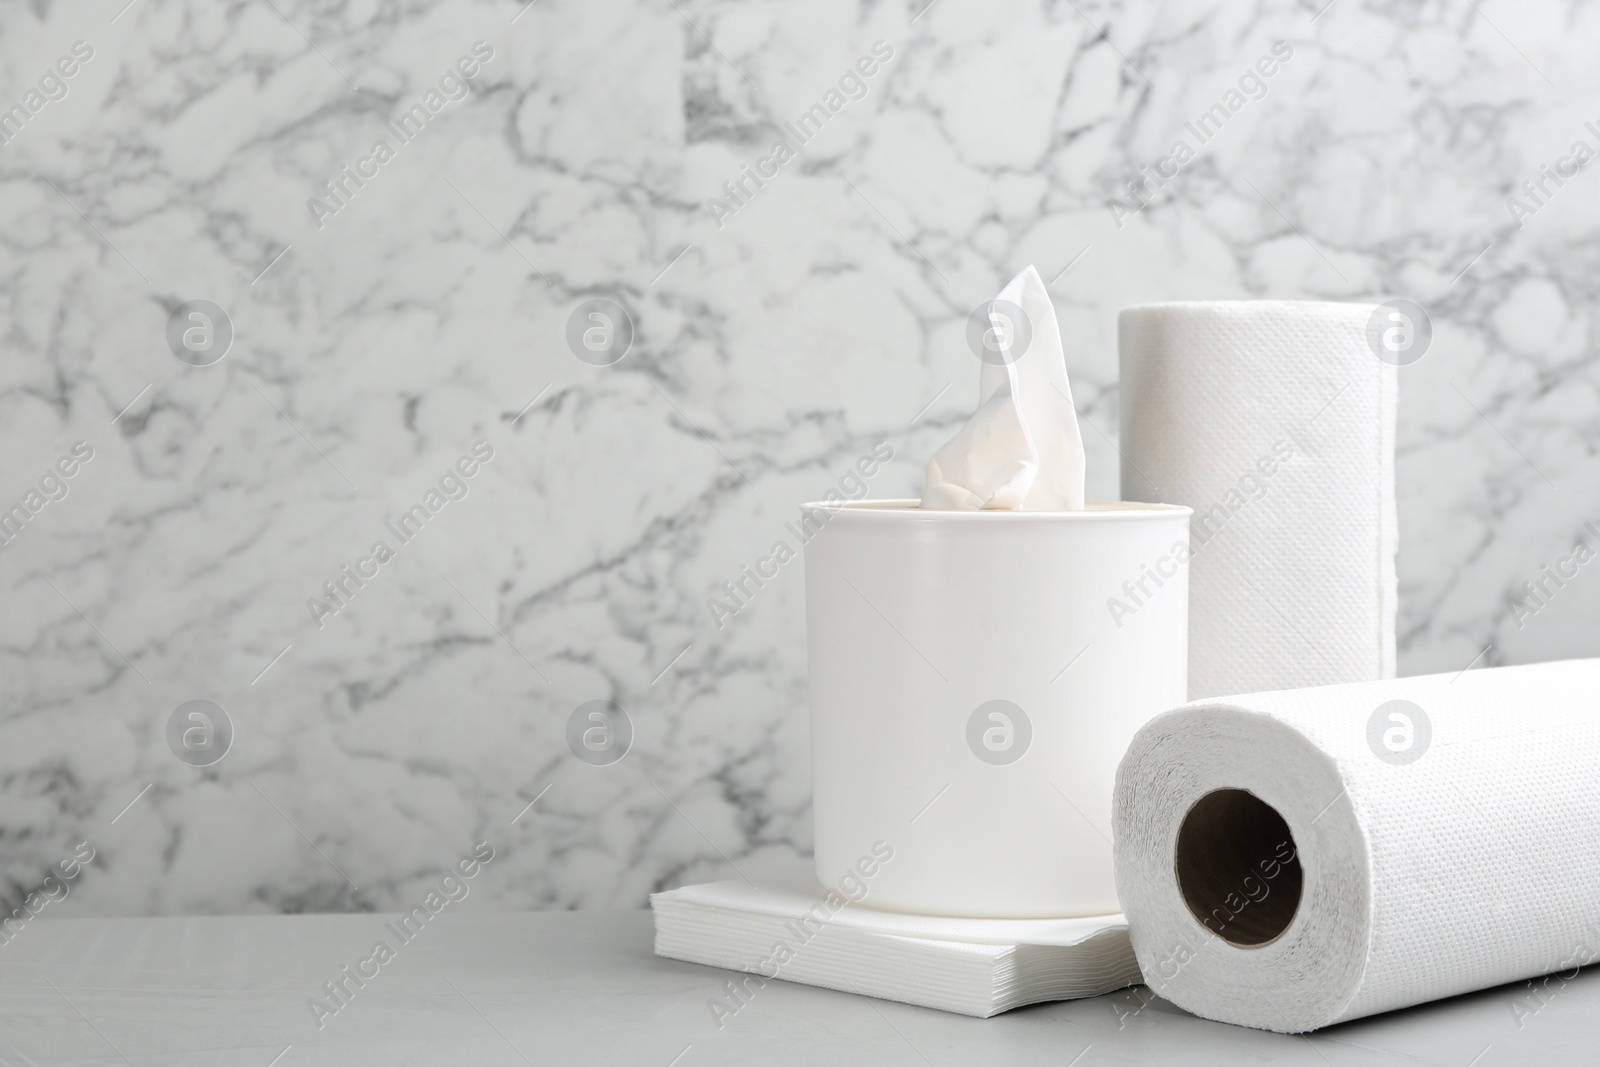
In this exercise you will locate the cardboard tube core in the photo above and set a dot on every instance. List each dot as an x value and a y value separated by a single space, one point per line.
1238 868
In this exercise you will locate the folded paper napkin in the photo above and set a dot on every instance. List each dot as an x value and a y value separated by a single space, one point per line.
787 928
1021 450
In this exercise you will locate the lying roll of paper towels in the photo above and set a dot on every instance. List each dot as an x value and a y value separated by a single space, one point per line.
1289 860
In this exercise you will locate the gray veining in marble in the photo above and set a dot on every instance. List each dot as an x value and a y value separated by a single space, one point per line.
376 344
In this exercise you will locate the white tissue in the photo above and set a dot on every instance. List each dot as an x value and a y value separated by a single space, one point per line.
1021 450
1473 864
1274 421
975 967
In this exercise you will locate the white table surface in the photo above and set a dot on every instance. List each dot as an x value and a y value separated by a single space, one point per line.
583 988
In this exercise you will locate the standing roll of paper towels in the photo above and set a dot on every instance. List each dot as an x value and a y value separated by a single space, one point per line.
1294 859
1274 420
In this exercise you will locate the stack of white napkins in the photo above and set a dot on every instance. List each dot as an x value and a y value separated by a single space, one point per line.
972 966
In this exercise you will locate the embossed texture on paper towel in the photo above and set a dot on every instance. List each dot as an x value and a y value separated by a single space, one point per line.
1275 422
1475 864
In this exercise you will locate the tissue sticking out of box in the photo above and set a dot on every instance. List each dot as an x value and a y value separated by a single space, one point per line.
1021 450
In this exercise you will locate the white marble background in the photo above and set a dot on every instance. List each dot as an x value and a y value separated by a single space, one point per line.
771 352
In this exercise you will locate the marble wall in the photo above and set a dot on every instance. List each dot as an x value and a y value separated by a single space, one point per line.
411 323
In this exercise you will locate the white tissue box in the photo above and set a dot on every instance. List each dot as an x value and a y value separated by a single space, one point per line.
975 677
